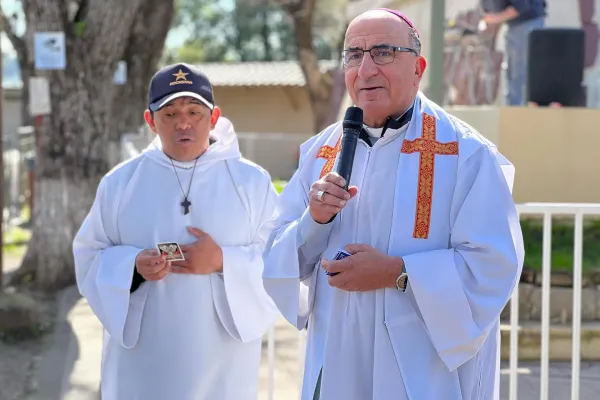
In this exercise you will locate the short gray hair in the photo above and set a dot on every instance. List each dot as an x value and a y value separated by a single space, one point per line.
415 42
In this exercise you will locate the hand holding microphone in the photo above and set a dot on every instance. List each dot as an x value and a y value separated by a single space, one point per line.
327 197
330 194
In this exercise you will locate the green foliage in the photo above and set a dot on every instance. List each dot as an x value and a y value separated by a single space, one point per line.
15 241
562 241
329 28
80 28
251 31
190 53
207 24
279 185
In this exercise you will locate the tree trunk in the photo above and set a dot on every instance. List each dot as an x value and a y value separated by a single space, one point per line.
319 84
338 89
238 38
266 32
72 156
142 54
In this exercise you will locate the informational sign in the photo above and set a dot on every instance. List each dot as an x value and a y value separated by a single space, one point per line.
120 76
49 50
39 96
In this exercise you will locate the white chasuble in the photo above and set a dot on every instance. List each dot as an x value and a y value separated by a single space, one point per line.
439 196
192 337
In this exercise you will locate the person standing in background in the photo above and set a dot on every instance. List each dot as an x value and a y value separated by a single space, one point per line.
522 17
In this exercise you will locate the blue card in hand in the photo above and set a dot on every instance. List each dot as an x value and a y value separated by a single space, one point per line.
341 254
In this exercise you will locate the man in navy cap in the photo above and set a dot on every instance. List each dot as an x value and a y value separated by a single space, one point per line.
169 257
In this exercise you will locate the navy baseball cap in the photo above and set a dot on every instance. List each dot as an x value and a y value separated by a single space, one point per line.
179 80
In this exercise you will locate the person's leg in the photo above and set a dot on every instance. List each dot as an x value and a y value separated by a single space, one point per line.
517 40
513 67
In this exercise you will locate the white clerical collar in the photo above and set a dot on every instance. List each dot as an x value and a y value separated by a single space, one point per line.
391 128
375 133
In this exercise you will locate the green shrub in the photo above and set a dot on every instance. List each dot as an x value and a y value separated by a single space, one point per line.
563 236
279 185
15 240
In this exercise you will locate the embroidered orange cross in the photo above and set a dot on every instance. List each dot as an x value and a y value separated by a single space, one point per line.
429 148
329 153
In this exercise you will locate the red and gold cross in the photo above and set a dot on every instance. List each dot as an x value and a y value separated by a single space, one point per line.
329 154
429 147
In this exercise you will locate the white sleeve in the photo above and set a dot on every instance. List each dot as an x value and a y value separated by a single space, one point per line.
243 306
104 273
293 250
461 291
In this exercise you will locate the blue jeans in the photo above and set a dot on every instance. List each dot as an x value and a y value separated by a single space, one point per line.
517 39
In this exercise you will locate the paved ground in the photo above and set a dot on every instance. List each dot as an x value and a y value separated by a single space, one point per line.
79 343
559 381
18 362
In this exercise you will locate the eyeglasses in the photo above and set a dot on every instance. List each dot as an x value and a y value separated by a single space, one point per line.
380 54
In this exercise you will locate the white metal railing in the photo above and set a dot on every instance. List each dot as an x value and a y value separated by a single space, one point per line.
547 211
271 358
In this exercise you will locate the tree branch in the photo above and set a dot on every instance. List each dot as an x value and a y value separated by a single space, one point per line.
17 42
141 55
100 23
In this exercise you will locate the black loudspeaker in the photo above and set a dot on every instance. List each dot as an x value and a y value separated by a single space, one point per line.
555 66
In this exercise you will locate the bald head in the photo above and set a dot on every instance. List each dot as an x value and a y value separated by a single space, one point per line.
382 64
403 27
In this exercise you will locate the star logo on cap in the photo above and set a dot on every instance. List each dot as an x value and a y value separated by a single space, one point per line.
180 75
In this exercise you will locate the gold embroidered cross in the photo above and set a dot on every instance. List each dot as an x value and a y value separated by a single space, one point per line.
429 147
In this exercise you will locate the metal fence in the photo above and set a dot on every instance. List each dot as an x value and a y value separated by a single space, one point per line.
547 211
18 165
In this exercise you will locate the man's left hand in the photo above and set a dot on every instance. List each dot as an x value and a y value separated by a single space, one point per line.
365 270
204 256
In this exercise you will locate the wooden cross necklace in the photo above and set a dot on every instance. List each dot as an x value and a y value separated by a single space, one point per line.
185 203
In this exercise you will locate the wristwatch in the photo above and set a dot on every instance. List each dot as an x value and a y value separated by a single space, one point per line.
402 280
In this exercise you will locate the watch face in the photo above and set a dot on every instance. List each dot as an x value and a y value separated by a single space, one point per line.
401 282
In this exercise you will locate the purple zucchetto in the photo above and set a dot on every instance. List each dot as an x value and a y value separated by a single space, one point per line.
401 16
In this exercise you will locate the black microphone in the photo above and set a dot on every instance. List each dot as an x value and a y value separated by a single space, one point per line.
353 122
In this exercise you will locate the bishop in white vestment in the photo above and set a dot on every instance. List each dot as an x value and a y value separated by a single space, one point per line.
186 336
431 196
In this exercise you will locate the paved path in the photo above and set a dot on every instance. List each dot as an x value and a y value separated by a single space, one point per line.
78 352
528 384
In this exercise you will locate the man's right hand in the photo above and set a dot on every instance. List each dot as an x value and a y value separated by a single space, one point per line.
151 265
328 197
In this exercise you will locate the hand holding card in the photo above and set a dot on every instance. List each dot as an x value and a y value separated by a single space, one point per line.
204 256
152 265
339 255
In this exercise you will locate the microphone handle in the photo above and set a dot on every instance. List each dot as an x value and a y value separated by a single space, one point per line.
349 141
